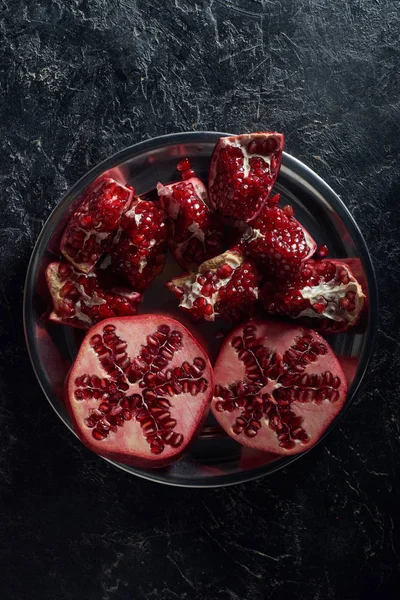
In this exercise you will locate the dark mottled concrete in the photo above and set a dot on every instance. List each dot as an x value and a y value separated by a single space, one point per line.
83 78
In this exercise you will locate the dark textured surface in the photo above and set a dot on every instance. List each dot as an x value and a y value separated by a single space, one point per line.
82 79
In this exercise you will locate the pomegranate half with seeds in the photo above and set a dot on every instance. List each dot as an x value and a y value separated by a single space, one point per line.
92 227
196 232
225 286
243 171
80 300
139 390
277 386
325 295
276 240
140 245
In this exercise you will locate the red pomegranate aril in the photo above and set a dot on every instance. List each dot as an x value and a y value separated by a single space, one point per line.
81 301
184 165
93 225
243 171
323 293
322 251
134 422
288 210
292 402
188 174
196 233
225 286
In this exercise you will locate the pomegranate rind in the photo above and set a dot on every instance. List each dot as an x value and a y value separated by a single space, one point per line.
92 227
312 416
128 444
80 312
241 195
234 295
295 300
196 232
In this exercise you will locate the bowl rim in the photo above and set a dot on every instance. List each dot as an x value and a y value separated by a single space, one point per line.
296 166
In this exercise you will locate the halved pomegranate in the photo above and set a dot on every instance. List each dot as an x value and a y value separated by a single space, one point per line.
277 240
139 248
80 300
225 286
196 232
277 386
139 390
324 294
243 171
91 228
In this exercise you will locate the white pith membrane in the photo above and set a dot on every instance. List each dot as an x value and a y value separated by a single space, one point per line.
192 289
330 293
129 441
278 337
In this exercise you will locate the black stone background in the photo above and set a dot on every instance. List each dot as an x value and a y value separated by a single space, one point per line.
81 79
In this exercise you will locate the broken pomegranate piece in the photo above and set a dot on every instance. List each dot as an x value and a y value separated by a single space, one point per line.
225 286
139 248
196 233
324 294
91 228
80 300
139 390
277 386
243 171
276 240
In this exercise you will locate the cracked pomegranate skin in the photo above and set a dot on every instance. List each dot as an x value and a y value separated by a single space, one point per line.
139 390
277 386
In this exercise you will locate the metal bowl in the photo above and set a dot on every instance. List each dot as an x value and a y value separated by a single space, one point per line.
213 459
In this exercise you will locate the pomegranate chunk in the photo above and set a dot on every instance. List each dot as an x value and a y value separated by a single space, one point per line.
139 390
91 228
225 286
325 293
277 386
196 233
80 300
277 240
139 249
243 171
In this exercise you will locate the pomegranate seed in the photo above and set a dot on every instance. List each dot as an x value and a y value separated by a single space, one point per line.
322 251
319 307
184 165
188 174
288 210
